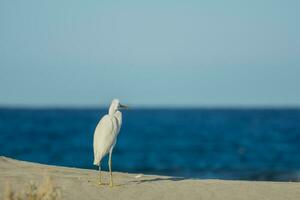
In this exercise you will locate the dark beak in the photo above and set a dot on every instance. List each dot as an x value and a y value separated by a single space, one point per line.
124 106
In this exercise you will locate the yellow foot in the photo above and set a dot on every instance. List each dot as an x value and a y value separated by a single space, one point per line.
100 183
111 184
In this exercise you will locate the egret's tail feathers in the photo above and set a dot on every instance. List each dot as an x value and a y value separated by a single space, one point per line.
97 158
96 162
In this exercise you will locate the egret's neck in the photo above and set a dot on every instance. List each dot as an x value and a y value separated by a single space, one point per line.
118 115
112 110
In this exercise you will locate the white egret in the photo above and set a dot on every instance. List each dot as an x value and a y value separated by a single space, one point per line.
105 136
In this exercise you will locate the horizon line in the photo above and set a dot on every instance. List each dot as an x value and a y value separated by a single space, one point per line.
135 107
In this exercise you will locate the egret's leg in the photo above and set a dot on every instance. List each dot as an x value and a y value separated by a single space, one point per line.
100 182
111 184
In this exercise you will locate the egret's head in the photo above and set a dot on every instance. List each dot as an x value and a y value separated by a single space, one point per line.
116 105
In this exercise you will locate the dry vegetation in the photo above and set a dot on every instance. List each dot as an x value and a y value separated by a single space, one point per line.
34 191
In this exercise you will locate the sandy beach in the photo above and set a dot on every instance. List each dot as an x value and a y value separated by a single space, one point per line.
82 184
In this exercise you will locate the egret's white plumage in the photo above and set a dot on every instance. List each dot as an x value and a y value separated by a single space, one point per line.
105 136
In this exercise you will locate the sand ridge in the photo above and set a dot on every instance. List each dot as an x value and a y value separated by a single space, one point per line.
82 184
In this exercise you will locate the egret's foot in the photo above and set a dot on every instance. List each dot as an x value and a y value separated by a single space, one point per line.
100 183
111 184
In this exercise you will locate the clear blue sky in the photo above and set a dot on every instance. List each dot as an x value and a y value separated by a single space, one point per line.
166 53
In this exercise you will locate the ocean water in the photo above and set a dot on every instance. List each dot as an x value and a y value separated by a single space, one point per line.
247 144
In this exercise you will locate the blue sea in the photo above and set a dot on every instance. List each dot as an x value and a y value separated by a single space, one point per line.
245 144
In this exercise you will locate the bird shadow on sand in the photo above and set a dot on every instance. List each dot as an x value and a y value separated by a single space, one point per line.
140 181
145 181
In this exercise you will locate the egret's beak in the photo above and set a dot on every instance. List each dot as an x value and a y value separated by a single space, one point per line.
124 106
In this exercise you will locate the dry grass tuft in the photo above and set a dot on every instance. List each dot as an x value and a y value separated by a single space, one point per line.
45 191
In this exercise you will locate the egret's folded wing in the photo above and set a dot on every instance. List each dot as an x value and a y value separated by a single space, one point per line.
103 137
